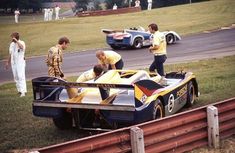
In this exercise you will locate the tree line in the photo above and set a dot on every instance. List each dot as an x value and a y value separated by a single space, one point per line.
83 4
36 5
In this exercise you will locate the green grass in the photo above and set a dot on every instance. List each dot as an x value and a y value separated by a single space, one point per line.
226 146
216 78
85 33
21 130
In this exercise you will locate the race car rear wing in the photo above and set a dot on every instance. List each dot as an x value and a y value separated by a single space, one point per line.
46 92
109 31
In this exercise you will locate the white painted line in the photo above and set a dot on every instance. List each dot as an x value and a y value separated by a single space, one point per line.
225 28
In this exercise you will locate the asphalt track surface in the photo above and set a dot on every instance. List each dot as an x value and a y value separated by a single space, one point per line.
209 44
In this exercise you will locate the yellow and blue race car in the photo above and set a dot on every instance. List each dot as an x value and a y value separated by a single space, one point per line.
116 99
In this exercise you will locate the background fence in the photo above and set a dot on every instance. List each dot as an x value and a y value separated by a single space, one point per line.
178 133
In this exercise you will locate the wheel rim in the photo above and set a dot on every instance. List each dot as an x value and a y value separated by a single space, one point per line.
170 39
138 43
158 112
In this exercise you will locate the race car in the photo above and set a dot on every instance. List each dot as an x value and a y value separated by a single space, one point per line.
135 37
116 99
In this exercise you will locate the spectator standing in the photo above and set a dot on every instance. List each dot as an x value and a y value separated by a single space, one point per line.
55 58
17 60
137 3
149 4
110 59
158 49
50 14
46 14
115 6
17 14
57 10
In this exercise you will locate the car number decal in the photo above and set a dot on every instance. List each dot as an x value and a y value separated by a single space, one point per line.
171 101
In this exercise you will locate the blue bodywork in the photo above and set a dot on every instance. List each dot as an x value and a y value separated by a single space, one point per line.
135 38
127 39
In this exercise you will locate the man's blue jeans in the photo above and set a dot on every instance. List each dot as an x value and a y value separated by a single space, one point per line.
158 64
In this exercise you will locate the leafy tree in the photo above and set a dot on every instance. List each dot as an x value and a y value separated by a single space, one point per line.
21 4
119 3
81 5
97 5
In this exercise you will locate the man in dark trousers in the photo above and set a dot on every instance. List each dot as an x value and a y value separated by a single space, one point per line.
158 49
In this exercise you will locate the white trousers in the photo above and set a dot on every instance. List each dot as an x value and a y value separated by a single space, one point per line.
16 18
19 77
149 6
45 17
57 15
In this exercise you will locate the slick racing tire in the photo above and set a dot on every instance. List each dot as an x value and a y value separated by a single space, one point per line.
64 122
138 43
190 94
158 110
115 47
170 39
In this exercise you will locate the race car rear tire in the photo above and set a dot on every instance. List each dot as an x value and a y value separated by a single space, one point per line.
64 122
158 110
138 43
190 94
115 47
170 39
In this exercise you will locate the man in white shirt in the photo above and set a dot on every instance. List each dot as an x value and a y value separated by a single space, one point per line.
17 60
57 10
17 13
114 6
149 4
137 3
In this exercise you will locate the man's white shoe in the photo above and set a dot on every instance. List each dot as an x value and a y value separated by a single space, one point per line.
22 94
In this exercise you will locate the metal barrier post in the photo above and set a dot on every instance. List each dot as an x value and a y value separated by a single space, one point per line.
213 126
137 140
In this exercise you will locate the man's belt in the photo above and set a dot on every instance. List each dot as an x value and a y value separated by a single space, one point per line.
158 54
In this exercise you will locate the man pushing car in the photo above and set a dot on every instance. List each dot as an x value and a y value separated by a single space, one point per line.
110 59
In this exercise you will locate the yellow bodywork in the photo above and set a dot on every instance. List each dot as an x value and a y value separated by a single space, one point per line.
125 77
111 77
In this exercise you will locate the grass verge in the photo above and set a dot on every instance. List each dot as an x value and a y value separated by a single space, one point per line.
85 33
20 129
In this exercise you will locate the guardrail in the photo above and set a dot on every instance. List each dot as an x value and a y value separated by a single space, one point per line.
178 133
109 12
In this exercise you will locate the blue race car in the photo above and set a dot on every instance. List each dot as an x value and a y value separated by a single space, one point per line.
116 99
135 37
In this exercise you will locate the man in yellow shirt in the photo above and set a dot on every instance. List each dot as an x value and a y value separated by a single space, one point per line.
110 58
158 49
94 73
55 58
